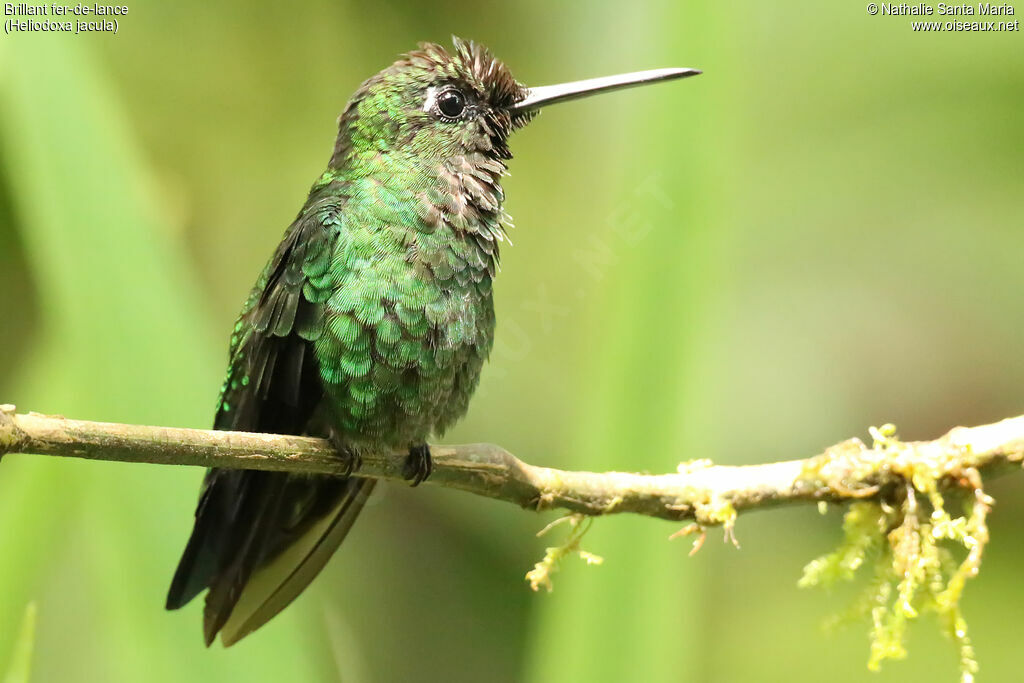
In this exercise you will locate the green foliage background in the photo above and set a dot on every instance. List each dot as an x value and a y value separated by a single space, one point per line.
821 233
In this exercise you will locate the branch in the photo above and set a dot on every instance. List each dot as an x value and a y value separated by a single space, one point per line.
708 494
899 523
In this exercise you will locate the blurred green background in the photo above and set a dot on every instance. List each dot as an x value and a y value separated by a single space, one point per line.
821 233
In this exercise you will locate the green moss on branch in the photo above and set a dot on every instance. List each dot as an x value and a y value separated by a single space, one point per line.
922 555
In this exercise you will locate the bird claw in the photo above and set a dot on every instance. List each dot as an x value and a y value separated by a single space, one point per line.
351 461
418 465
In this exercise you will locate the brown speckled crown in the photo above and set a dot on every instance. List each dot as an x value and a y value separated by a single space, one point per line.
486 74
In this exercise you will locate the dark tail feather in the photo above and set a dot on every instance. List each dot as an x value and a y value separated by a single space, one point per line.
256 524
200 561
259 539
275 584
195 569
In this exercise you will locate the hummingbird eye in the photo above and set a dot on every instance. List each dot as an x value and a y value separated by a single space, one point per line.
451 104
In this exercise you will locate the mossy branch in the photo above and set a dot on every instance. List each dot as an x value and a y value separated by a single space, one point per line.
900 521
700 491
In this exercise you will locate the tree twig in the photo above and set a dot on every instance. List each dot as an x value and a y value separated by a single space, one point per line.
709 494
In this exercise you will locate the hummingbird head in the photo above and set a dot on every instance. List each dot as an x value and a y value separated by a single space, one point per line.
434 105
431 132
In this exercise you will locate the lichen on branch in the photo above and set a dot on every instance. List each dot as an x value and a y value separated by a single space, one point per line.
913 542
540 575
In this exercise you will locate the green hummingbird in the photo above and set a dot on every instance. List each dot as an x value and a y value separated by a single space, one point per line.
370 323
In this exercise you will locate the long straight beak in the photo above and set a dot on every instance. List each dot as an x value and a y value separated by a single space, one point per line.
551 94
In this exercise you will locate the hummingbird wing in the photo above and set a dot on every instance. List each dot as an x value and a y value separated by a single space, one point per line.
264 536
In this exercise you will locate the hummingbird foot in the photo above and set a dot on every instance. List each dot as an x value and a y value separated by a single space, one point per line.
351 460
418 465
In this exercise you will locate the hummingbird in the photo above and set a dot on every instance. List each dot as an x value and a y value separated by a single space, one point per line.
371 322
